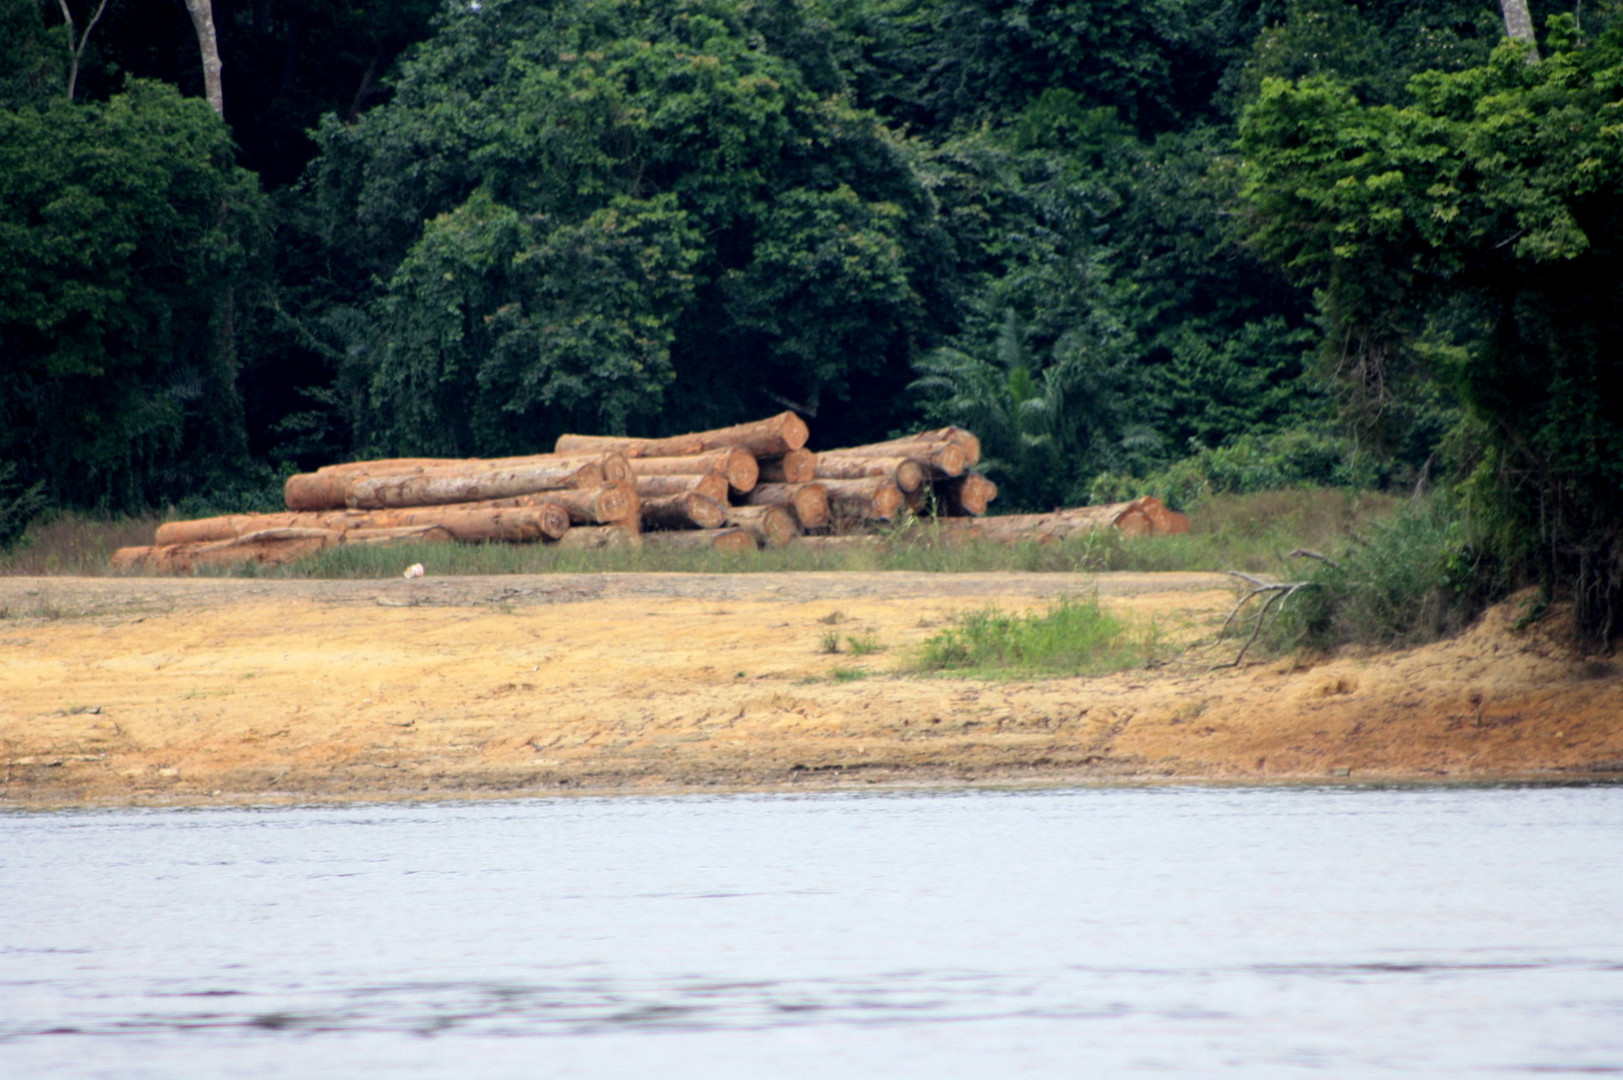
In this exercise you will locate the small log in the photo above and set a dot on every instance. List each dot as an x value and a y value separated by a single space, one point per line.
738 466
968 494
1128 519
710 485
863 500
795 467
599 536
771 526
942 459
808 501
762 438
616 504
714 539
403 534
908 474
689 510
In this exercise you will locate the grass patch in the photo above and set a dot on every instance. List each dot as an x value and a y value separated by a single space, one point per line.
862 644
848 674
1074 637
70 543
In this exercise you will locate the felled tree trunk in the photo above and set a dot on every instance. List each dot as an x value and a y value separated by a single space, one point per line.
403 482
968 494
763 438
794 467
467 522
906 446
863 500
908 474
599 536
941 458
711 485
738 466
689 510
715 539
808 501
771 526
615 504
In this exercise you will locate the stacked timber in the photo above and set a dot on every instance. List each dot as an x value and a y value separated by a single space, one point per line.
733 489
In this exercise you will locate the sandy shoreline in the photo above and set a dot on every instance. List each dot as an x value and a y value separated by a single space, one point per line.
149 691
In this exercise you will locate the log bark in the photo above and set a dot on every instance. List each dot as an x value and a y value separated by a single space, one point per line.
908 474
331 487
614 504
466 522
763 438
712 539
795 467
863 500
689 510
599 536
710 485
903 447
1129 519
738 466
968 494
456 485
771 526
808 501
942 459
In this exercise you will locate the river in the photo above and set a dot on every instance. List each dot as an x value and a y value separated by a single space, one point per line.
1095 932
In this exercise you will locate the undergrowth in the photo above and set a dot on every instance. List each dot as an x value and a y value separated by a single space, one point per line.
1074 637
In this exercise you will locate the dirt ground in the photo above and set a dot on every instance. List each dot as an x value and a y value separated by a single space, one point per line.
160 691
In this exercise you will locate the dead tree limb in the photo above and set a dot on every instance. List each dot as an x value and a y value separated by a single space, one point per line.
1277 593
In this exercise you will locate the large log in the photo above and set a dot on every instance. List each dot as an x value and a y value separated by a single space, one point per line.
456 485
808 501
771 526
738 466
600 536
710 485
908 474
713 539
763 438
795 467
266 547
968 494
614 504
332 486
689 510
942 458
470 522
905 446
863 500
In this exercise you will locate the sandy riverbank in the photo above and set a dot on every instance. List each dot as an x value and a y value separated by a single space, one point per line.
145 690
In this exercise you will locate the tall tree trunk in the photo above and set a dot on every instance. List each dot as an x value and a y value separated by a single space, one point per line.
202 12
1519 23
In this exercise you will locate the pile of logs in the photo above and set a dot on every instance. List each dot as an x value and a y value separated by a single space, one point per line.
737 488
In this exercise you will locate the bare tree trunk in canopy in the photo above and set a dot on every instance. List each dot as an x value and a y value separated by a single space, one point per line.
77 42
1519 23
202 12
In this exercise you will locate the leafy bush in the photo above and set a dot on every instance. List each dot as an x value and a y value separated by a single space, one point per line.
1247 464
1424 574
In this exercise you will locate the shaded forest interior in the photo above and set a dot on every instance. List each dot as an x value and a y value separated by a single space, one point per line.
1163 248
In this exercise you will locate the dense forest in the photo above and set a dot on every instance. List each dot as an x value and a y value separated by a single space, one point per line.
1177 246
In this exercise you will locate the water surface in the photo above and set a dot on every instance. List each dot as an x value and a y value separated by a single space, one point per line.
1093 932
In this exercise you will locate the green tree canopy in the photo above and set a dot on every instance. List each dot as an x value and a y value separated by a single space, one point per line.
1475 236
124 228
